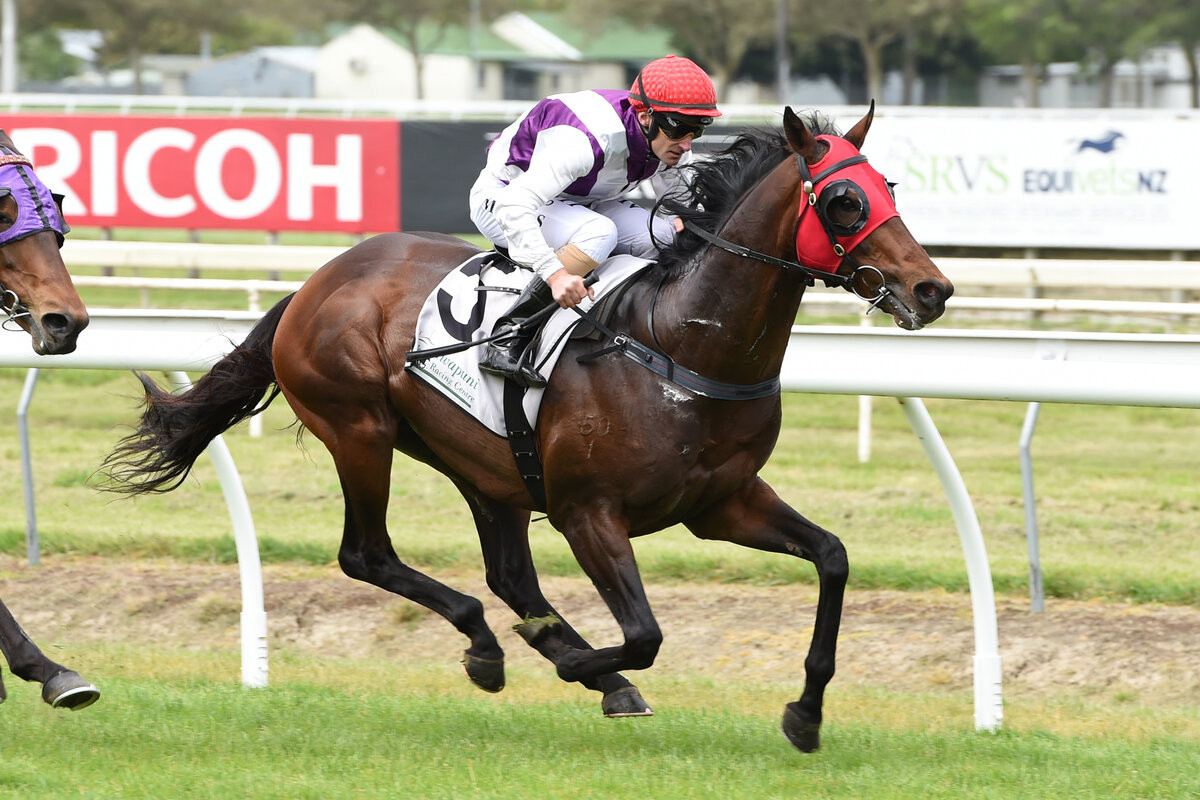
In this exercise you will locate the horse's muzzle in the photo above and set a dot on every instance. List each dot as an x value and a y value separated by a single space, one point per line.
56 334
931 296
926 303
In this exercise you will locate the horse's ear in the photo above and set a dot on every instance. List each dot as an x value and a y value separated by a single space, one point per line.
799 137
858 133
5 141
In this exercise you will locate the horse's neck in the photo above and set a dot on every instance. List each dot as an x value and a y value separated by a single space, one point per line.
729 318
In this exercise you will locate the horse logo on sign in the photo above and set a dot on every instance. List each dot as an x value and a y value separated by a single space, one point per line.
1105 144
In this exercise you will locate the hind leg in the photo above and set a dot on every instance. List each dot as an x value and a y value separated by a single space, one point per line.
756 517
61 687
511 575
363 457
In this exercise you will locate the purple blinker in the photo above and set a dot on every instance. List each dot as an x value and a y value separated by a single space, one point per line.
36 209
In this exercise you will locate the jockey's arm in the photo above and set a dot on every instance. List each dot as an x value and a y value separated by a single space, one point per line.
672 179
560 157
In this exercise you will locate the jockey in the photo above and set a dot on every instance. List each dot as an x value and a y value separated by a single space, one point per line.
551 191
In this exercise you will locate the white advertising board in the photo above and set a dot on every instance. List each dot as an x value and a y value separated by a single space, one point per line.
1084 180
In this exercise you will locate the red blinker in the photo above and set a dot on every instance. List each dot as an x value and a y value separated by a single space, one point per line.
813 248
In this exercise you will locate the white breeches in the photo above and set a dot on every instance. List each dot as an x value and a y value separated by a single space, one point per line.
600 229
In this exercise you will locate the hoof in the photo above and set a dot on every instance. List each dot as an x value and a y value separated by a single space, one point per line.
804 735
625 702
69 690
534 629
486 673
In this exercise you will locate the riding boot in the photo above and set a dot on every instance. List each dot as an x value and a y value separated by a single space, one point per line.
508 356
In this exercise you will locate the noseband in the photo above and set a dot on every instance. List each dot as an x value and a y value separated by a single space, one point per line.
860 279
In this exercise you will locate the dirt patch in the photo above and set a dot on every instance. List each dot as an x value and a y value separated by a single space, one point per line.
909 641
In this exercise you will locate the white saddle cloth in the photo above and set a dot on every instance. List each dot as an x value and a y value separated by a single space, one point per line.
460 310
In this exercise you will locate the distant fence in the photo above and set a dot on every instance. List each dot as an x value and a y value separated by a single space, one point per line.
1033 277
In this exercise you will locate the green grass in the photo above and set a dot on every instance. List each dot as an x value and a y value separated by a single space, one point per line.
1117 504
338 729
1116 490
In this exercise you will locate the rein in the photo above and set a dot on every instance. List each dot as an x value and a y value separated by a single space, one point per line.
851 282
664 366
855 282
830 278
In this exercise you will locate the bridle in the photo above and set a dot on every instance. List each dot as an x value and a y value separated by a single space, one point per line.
12 308
44 215
860 278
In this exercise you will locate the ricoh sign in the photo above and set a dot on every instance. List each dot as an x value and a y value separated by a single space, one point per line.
263 173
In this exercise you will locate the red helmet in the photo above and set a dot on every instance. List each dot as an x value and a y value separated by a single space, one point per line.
674 84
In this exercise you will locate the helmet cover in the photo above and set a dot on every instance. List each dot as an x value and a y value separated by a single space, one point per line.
674 84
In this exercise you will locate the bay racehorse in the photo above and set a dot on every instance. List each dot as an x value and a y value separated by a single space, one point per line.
37 296
626 451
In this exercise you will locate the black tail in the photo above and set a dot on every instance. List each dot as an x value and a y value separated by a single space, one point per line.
176 428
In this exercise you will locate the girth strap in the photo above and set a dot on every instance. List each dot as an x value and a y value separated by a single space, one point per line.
523 444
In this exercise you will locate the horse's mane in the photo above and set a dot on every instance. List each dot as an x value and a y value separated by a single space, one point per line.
715 185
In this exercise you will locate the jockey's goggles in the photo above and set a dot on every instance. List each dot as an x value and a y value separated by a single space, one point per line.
677 126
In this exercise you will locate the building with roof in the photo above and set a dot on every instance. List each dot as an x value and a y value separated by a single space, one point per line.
261 72
1160 78
366 62
518 57
561 55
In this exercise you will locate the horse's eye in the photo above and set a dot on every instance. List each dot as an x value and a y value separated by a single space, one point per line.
850 206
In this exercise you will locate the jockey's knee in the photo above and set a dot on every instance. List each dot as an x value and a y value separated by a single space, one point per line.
596 239
650 239
574 260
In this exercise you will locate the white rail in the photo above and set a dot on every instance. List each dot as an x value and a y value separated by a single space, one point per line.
254 288
1034 277
197 255
170 341
1036 273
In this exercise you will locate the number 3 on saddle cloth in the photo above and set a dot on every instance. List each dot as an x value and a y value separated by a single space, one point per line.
464 308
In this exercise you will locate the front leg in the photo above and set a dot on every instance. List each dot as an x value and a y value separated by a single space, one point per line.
756 517
601 546
511 575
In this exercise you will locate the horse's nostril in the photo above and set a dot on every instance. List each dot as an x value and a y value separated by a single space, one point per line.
933 293
63 324
57 324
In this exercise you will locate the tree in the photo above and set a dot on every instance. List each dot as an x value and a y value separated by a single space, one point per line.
1111 30
715 33
133 28
1032 32
873 26
42 57
1179 20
